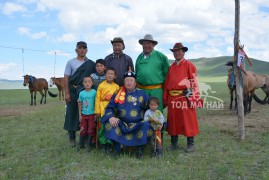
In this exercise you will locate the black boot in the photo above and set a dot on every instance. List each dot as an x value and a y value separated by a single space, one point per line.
117 151
152 146
89 143
190 144
159 153
174 140
81 144
152 152
72 138
108 148
140 152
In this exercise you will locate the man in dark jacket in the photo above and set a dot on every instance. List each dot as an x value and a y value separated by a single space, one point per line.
118 60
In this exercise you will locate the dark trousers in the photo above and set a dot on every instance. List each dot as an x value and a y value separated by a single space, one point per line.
87 125
72 135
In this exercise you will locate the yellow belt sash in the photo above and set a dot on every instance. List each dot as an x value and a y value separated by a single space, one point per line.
175 92
157 86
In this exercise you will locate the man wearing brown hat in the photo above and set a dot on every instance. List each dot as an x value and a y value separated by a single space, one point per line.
118 60
75 70
151 68
181 79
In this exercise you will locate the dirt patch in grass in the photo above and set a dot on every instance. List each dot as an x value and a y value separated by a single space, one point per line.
17 110
227 120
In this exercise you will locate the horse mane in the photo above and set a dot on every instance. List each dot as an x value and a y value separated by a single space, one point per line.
229 63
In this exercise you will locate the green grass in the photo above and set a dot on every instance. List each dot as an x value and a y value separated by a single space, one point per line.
210 79
33 145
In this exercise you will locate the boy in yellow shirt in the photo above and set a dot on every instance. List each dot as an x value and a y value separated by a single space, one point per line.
104 93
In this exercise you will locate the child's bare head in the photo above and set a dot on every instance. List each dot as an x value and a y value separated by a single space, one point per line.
110 74
87 82
100 66
153 103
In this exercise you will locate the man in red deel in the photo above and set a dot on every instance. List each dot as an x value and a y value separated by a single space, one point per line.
182 96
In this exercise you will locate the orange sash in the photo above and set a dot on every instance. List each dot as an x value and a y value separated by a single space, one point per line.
120 97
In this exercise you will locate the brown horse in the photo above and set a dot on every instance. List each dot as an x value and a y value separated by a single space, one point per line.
249 86
59 82
232 88
265 89
37 84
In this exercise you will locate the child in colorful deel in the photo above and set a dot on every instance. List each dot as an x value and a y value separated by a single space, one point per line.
156 118
104 93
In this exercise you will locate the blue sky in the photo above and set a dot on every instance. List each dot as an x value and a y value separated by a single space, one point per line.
43 28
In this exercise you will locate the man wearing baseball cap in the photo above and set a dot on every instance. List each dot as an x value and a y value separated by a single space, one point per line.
75 70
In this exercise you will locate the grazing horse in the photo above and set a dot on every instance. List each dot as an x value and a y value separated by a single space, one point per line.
232 87
249 86
59 82
37 84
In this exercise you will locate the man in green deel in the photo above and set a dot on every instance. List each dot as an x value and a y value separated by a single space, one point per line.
151 68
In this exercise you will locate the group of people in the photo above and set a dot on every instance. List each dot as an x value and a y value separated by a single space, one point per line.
114 104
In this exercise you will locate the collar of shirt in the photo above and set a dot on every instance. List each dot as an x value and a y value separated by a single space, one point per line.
180 61
97 74
117 55
148 55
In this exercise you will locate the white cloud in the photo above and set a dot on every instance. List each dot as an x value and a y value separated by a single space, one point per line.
26 1
7 67
39 35
26 31
68 37
8 71
59 53
10 8
206 26
189 21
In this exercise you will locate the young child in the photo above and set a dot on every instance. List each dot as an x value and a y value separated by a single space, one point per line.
104 93
156 118
87 117
99 76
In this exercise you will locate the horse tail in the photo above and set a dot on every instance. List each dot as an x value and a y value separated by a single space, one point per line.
258 100
52 95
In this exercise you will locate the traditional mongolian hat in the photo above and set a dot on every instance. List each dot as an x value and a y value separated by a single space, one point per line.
179 45
129 73
118 39
148 37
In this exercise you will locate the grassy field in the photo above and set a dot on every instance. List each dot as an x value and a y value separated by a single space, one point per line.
33 145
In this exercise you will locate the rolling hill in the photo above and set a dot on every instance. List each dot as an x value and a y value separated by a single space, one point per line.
215 70
11 84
